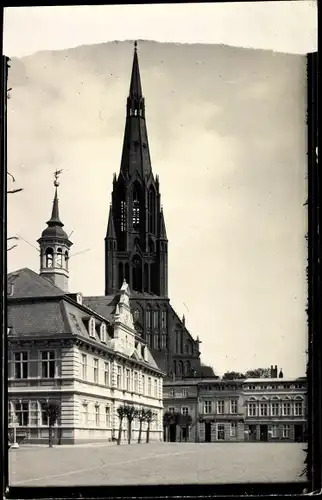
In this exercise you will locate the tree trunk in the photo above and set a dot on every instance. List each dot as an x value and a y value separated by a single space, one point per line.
148 433
50 441
120 434
140 432
129 432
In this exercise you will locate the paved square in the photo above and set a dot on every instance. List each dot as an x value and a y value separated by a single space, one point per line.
156 463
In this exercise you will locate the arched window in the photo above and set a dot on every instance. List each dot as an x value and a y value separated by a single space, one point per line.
146 277
187 368
151 210
121 275
163 341
148 317
180 367
66 259
49 257
91 327
103 332
137 274
59 257
156 319
136 315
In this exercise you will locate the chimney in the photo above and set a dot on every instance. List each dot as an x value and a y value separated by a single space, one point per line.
280 374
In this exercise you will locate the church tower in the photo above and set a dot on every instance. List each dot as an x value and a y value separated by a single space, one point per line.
54 247
136 245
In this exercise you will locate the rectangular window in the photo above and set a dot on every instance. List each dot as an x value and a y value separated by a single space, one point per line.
220 407
233 406
274 431
48 364
298 409
21 365
136 382
163 319
171 393
97 415
155 319
184 393
149 386
286 409
155 388
95 370
107 416
185 410
107 374
233 429
44 415
128 381
220 432
286 431
22 413
84 366
119 378
274 408
252 409
263 410
84 414
207 406
143 384
33 413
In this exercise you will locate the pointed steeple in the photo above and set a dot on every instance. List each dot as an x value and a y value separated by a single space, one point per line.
110 233
54 247
163 233
135 85
135 155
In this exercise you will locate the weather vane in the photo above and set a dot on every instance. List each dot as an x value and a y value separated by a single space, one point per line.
56 175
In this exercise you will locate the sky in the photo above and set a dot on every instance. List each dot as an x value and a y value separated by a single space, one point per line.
231 158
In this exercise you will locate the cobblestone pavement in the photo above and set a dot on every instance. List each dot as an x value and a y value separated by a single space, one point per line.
156 463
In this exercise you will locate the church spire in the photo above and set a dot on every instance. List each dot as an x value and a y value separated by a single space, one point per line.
54 219
135 85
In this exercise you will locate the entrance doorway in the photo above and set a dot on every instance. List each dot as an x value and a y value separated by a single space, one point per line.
298 433
252 433
263 433
207 432
172 433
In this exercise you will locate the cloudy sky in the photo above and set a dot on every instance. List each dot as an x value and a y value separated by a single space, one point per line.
227 136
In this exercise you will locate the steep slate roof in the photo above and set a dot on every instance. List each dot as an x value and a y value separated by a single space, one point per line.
42 318
28 284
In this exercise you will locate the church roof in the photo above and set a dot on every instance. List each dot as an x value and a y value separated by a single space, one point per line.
25 283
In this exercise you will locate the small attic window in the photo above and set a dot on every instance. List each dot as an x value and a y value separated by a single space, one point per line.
79 298
103 332
91 327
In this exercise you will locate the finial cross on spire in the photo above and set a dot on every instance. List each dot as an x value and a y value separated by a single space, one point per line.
56 175
135 45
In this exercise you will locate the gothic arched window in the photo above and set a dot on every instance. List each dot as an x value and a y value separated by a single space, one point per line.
49 257
136 207
151 209
187 368
137 274
180 367
148 317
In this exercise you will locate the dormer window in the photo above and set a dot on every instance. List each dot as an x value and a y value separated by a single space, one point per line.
79 298
103 332
91 327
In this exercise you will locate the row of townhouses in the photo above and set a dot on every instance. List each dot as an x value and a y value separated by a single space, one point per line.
259 409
